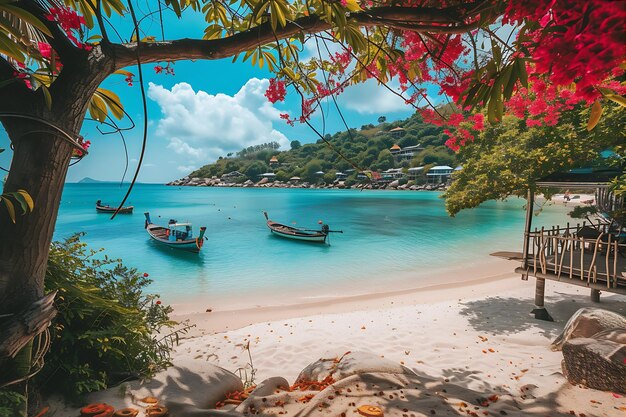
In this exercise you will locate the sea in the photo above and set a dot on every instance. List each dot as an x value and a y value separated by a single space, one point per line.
391 239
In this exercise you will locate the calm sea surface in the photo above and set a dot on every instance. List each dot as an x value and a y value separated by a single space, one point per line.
387 234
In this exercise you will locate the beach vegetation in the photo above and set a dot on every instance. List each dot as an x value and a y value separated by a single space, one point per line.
108 329
510 157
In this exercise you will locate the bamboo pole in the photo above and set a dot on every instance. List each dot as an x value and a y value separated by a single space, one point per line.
540 289
595 295
530 199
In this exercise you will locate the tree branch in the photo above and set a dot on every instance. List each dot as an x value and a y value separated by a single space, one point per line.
14 89
442 20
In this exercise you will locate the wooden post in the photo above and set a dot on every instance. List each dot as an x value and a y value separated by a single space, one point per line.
530 200
540 289
595 296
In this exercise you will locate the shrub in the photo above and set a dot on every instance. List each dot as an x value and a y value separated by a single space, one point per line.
107 329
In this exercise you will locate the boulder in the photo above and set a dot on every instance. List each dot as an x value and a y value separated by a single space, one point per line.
185 391
597 362
394 183
351 363
263 181
586 322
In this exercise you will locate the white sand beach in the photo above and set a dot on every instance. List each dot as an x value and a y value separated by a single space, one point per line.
455 345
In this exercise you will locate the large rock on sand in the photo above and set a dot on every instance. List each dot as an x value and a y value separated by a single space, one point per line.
597 362
586 322
184 391
347 364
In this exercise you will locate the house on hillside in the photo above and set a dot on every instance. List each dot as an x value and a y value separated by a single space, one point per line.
274 161
397 132
415 172
392 174
406 153
439 174
341 176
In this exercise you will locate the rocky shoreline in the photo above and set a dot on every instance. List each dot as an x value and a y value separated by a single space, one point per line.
265 183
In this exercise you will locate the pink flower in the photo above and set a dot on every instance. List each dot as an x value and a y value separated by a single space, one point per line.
45 50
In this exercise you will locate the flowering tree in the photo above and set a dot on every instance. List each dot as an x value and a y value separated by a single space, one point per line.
549 54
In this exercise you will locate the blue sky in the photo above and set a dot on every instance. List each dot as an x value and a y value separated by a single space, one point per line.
206 110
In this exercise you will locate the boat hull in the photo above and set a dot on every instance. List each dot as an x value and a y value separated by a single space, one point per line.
191 245
111 210
293 233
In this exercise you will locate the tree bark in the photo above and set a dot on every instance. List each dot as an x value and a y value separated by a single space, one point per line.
41 156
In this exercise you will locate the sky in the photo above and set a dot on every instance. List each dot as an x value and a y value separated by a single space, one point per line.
207 110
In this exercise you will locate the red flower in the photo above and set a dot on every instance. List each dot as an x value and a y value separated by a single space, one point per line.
145 275
276 91
158 302
45 50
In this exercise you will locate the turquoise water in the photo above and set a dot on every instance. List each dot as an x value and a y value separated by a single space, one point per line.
387 234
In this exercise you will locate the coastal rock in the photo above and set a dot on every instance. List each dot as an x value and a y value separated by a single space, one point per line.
347 364
586 322
597 362
263 181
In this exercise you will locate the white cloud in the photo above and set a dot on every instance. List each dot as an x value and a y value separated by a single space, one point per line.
186 168
201 126
371 98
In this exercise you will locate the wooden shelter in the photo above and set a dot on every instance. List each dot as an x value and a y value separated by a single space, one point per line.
585 254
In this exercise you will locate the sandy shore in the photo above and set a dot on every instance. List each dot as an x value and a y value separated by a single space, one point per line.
479 335
458 342
424 287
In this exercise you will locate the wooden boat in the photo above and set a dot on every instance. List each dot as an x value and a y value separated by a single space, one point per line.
104 208
175 235
296 233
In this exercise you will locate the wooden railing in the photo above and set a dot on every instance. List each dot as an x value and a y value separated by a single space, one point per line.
593 254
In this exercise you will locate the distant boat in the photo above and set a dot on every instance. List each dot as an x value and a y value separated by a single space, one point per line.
175 235
104 208
296 233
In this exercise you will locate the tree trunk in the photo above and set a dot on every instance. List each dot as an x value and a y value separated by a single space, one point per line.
39 166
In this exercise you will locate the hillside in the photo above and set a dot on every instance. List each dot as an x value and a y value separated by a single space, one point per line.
364 149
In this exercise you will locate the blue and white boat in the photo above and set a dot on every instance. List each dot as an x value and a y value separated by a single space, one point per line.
175 235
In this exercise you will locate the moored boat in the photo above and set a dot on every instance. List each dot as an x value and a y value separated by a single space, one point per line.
105 208
175 235
297 233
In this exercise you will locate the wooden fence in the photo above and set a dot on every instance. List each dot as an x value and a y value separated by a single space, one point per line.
582 252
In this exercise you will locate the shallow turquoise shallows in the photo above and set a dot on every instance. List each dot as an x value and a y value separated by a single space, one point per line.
387 234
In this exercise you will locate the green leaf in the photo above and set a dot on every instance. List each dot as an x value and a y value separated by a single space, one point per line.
112 101
353 6
27 198
621 100
46 95
26 17
594 117
10 207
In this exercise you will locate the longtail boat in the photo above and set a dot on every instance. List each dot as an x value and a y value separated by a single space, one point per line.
175 235
105 208
297 233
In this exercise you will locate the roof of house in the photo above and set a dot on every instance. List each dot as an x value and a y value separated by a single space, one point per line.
396 129
395 147
273 159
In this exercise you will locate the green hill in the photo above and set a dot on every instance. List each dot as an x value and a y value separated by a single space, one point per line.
364 149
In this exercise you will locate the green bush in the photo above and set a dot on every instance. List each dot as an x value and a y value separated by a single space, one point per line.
107 329
10 403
